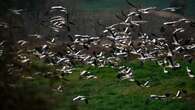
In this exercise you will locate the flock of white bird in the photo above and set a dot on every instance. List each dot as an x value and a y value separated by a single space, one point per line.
122 44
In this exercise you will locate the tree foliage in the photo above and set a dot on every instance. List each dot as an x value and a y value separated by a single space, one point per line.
28 5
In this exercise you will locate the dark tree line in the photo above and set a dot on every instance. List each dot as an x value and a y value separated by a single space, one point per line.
28 5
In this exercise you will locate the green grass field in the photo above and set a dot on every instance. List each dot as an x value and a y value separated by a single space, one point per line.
109 93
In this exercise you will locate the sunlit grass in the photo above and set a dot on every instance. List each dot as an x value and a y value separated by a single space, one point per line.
109 93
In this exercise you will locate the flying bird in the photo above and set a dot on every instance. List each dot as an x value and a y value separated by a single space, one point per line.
80 98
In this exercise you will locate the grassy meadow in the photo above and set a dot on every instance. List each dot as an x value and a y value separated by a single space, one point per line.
109 93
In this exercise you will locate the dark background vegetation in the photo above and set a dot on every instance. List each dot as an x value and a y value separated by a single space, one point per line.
34 96
84 13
